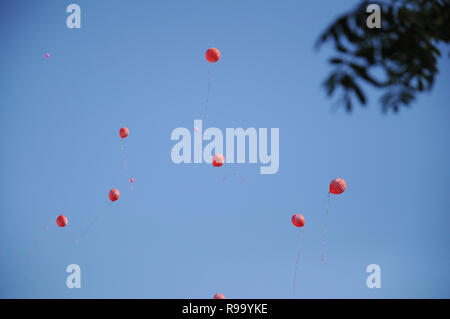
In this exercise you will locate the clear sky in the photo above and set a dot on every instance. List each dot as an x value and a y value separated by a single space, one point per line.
181 233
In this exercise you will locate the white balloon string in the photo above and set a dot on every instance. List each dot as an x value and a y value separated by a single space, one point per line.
322 253
297 262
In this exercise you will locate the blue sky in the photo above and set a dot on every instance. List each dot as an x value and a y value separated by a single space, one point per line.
181 233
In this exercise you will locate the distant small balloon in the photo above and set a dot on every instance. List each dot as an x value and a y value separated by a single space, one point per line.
212 55
124 131
218 160
61 221
47 55
196 129
114 194
298 220
131 180
338 186
219 296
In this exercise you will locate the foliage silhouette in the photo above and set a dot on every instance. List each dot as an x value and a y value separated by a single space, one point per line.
400 58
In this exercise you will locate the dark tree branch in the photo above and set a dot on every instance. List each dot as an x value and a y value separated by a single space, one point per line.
404 49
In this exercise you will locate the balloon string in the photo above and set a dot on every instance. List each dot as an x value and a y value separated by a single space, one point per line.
133 202
296 263
122 148
124 158
205 112
125 164
36 243
219 179
93 222
322 254
224 179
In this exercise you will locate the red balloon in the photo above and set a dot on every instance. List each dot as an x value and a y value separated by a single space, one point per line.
212 55
61 221
337 186
114 194
219 296
298 220
132 180
124 132
218 160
